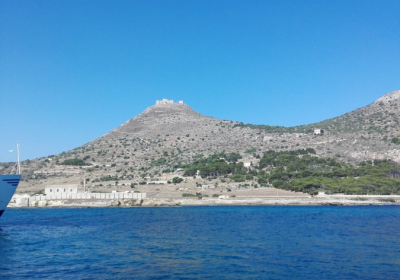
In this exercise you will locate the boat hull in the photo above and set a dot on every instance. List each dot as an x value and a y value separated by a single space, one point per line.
8 185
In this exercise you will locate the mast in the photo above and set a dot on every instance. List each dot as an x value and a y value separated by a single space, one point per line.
18 165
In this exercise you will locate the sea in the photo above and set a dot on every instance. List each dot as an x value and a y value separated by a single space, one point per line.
221 242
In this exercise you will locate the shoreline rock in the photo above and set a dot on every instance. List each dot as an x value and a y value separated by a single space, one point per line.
309 201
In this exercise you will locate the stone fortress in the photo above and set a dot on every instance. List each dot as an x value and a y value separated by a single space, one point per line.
166 101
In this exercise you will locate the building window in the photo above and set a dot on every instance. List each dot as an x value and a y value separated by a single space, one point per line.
51 190
58 190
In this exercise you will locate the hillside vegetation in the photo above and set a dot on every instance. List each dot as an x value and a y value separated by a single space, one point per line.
306 173
301 171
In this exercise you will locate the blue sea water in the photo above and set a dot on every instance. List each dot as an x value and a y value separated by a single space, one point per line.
281 242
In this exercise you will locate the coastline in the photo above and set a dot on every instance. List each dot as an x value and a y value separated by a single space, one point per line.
256 201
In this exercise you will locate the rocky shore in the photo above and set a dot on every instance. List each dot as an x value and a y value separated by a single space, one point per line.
323 201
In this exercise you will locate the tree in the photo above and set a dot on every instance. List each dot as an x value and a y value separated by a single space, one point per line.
176 180
237 177
262 180
233 157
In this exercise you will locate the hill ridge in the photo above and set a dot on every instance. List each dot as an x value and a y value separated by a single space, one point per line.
165 135
394 95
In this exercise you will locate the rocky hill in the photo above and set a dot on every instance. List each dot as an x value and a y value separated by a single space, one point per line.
152 144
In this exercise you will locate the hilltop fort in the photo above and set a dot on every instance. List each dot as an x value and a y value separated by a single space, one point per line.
166 101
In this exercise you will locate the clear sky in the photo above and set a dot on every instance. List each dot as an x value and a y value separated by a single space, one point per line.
71 71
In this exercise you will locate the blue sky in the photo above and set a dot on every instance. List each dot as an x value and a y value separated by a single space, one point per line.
70 71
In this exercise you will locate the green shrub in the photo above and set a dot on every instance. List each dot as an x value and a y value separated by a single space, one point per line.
75 161
237 178
387 200
252 150
396 140
160 161
176 180
188 195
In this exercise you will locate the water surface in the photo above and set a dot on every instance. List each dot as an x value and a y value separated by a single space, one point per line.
282 242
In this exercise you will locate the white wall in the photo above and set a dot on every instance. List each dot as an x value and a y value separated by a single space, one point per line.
67 196
60 190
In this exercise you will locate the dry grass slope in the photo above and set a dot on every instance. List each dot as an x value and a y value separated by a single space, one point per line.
149 145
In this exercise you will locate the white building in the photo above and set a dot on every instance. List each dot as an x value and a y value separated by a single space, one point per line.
22 201
317 131
249 162
58 189
166 101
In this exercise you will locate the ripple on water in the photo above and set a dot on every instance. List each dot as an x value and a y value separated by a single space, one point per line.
202 242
